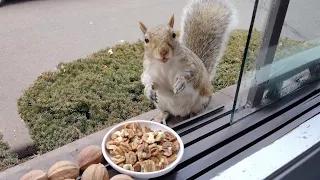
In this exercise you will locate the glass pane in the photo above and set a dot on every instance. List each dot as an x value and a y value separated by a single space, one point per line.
283 58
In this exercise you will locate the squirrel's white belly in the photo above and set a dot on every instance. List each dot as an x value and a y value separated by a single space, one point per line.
181 104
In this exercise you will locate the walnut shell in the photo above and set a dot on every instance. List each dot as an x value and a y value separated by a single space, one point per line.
63 170
95 172
35 175
121 177
89 155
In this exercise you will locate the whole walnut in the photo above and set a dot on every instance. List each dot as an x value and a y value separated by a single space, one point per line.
121 177
95 172
88 156
35 175
63 170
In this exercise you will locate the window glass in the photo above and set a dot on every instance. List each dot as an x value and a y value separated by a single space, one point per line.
282 59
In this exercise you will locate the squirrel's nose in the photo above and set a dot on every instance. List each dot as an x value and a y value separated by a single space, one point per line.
163 52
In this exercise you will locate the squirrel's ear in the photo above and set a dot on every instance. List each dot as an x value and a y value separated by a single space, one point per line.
171 21
143 27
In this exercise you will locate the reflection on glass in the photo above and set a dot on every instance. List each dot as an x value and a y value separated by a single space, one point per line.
283 58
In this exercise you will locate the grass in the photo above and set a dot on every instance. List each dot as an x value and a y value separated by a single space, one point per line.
89 94
7 158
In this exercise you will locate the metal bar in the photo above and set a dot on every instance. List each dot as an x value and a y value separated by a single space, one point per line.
197 120
269 46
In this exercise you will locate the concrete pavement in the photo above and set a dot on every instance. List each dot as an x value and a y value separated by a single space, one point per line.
36 35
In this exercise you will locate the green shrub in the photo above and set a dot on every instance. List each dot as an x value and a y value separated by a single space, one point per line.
7 158
89 94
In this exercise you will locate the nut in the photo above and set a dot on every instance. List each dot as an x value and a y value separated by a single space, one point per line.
128 167
143 151
121 177
167 148
89 155
131 157
163 162
35 175
176 146
63 170
148 138
170 137
148 166
172 158
95 172
137 167
118 159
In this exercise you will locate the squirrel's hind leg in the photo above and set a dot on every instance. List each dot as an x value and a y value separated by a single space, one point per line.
161 118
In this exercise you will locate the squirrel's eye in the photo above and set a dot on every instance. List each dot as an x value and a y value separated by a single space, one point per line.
174 35
146 40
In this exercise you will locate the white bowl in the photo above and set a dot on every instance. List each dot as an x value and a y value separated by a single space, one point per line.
142 175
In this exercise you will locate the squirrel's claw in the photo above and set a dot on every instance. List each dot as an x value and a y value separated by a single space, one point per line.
161 118
179 85
154 96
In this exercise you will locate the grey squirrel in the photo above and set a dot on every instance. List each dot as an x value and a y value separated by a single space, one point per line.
178 73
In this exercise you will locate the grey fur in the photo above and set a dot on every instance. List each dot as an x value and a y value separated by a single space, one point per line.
205 29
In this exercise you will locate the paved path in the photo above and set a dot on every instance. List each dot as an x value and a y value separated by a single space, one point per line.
36 35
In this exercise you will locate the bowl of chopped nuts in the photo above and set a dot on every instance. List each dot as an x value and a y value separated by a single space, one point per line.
142 149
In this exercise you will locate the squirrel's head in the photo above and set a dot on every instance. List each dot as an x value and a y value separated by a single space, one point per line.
159 41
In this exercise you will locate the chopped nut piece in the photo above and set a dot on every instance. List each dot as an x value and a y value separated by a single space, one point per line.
172 158
159 136
125 147
128 167
176 146
116 134
170 136
137 167
148 137
167 148
118 159
130 133
156 160
143 151
116 151
148 166
131 157
111 144
147 129
163 162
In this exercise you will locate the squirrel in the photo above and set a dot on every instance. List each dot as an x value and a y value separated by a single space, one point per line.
178 72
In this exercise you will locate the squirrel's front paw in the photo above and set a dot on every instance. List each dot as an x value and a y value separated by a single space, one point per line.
179 85
150 93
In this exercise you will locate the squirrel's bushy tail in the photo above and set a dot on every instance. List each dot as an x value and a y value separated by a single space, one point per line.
205 29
